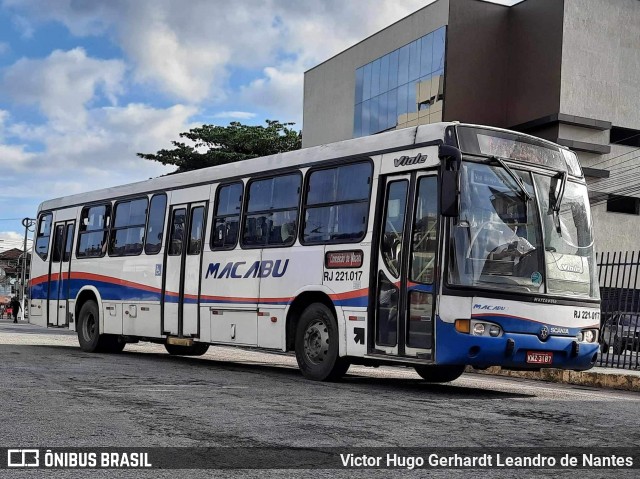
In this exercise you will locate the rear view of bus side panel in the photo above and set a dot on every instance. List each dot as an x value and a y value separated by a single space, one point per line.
39 273
50 282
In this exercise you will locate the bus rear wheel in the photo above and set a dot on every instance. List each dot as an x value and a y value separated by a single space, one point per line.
89 335
317 345
439 374
196 349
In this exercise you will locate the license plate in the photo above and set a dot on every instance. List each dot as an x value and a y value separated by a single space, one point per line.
539 358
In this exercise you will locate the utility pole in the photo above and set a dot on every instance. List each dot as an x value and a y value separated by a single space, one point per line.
27 223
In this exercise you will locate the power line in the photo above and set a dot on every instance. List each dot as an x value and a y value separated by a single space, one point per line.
617 143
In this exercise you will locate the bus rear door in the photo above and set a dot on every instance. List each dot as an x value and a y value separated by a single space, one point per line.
181 292
59 273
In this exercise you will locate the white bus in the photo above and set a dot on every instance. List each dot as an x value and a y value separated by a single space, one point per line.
435 247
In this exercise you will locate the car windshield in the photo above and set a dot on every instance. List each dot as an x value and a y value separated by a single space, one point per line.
569 252
496 242
632 321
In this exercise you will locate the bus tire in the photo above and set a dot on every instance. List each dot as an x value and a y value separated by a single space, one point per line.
317 345
439 374
89 337
196 349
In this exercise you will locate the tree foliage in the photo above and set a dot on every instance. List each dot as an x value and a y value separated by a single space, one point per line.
216 145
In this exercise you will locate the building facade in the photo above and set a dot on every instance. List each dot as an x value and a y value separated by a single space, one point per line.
564 70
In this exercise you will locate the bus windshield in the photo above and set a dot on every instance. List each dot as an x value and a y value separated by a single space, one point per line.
496 242
569 252
500 243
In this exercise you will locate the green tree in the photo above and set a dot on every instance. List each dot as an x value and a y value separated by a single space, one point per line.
226 144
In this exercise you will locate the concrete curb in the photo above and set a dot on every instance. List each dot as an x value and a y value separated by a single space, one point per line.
613 380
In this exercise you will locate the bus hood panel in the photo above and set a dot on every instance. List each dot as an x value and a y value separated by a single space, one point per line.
521 317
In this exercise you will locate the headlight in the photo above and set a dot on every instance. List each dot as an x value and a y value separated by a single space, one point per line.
588 336
478 329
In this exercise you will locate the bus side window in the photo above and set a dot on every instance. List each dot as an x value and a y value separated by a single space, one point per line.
93 231
44 233
127 231
226 216
176 238
337 204
155 225
273 203
196 233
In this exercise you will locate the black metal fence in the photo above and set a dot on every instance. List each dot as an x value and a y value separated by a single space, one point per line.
618 275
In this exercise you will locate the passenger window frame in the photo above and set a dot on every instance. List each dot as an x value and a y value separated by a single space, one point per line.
246 213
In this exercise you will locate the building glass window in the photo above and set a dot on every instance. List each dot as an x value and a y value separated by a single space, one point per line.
623 204
403 88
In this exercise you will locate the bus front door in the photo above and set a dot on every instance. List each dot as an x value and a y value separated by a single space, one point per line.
183 262
405 283
59 271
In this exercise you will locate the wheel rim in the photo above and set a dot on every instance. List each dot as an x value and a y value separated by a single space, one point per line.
316 342
89 327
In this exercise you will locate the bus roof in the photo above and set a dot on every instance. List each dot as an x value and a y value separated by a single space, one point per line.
369 145
404 138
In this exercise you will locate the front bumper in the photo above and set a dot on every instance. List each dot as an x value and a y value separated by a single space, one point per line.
453 347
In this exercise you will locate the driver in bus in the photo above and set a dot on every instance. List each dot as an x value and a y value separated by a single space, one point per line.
512 245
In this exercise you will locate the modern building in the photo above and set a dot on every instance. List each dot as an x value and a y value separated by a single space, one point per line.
564 70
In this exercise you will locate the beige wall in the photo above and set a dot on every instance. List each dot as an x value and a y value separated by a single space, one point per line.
535 56
601 60
601 79
475 70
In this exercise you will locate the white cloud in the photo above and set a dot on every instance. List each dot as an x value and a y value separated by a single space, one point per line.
188 49
4 48
24 26
62 84
14 157
12 239
109 138
278 91
235 115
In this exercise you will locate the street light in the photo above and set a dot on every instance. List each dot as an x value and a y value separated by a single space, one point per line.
27 223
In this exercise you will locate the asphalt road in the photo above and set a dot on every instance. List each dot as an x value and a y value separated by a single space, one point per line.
53 395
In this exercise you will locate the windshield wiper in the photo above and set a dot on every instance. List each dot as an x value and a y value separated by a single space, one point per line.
515 178
558 202
558 199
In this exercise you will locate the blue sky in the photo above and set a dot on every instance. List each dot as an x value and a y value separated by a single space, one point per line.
85 85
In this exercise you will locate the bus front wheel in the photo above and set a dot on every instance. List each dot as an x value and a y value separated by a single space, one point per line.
317 345
439 374
89 335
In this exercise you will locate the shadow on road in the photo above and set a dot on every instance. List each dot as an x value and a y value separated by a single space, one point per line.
353 381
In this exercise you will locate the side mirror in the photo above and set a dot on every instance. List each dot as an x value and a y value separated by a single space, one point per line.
450 180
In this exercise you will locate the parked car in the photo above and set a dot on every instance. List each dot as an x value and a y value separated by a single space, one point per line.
621 332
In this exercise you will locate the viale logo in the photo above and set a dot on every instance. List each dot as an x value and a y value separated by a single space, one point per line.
410 160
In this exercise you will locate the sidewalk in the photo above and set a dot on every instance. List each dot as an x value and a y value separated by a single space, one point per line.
611 378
